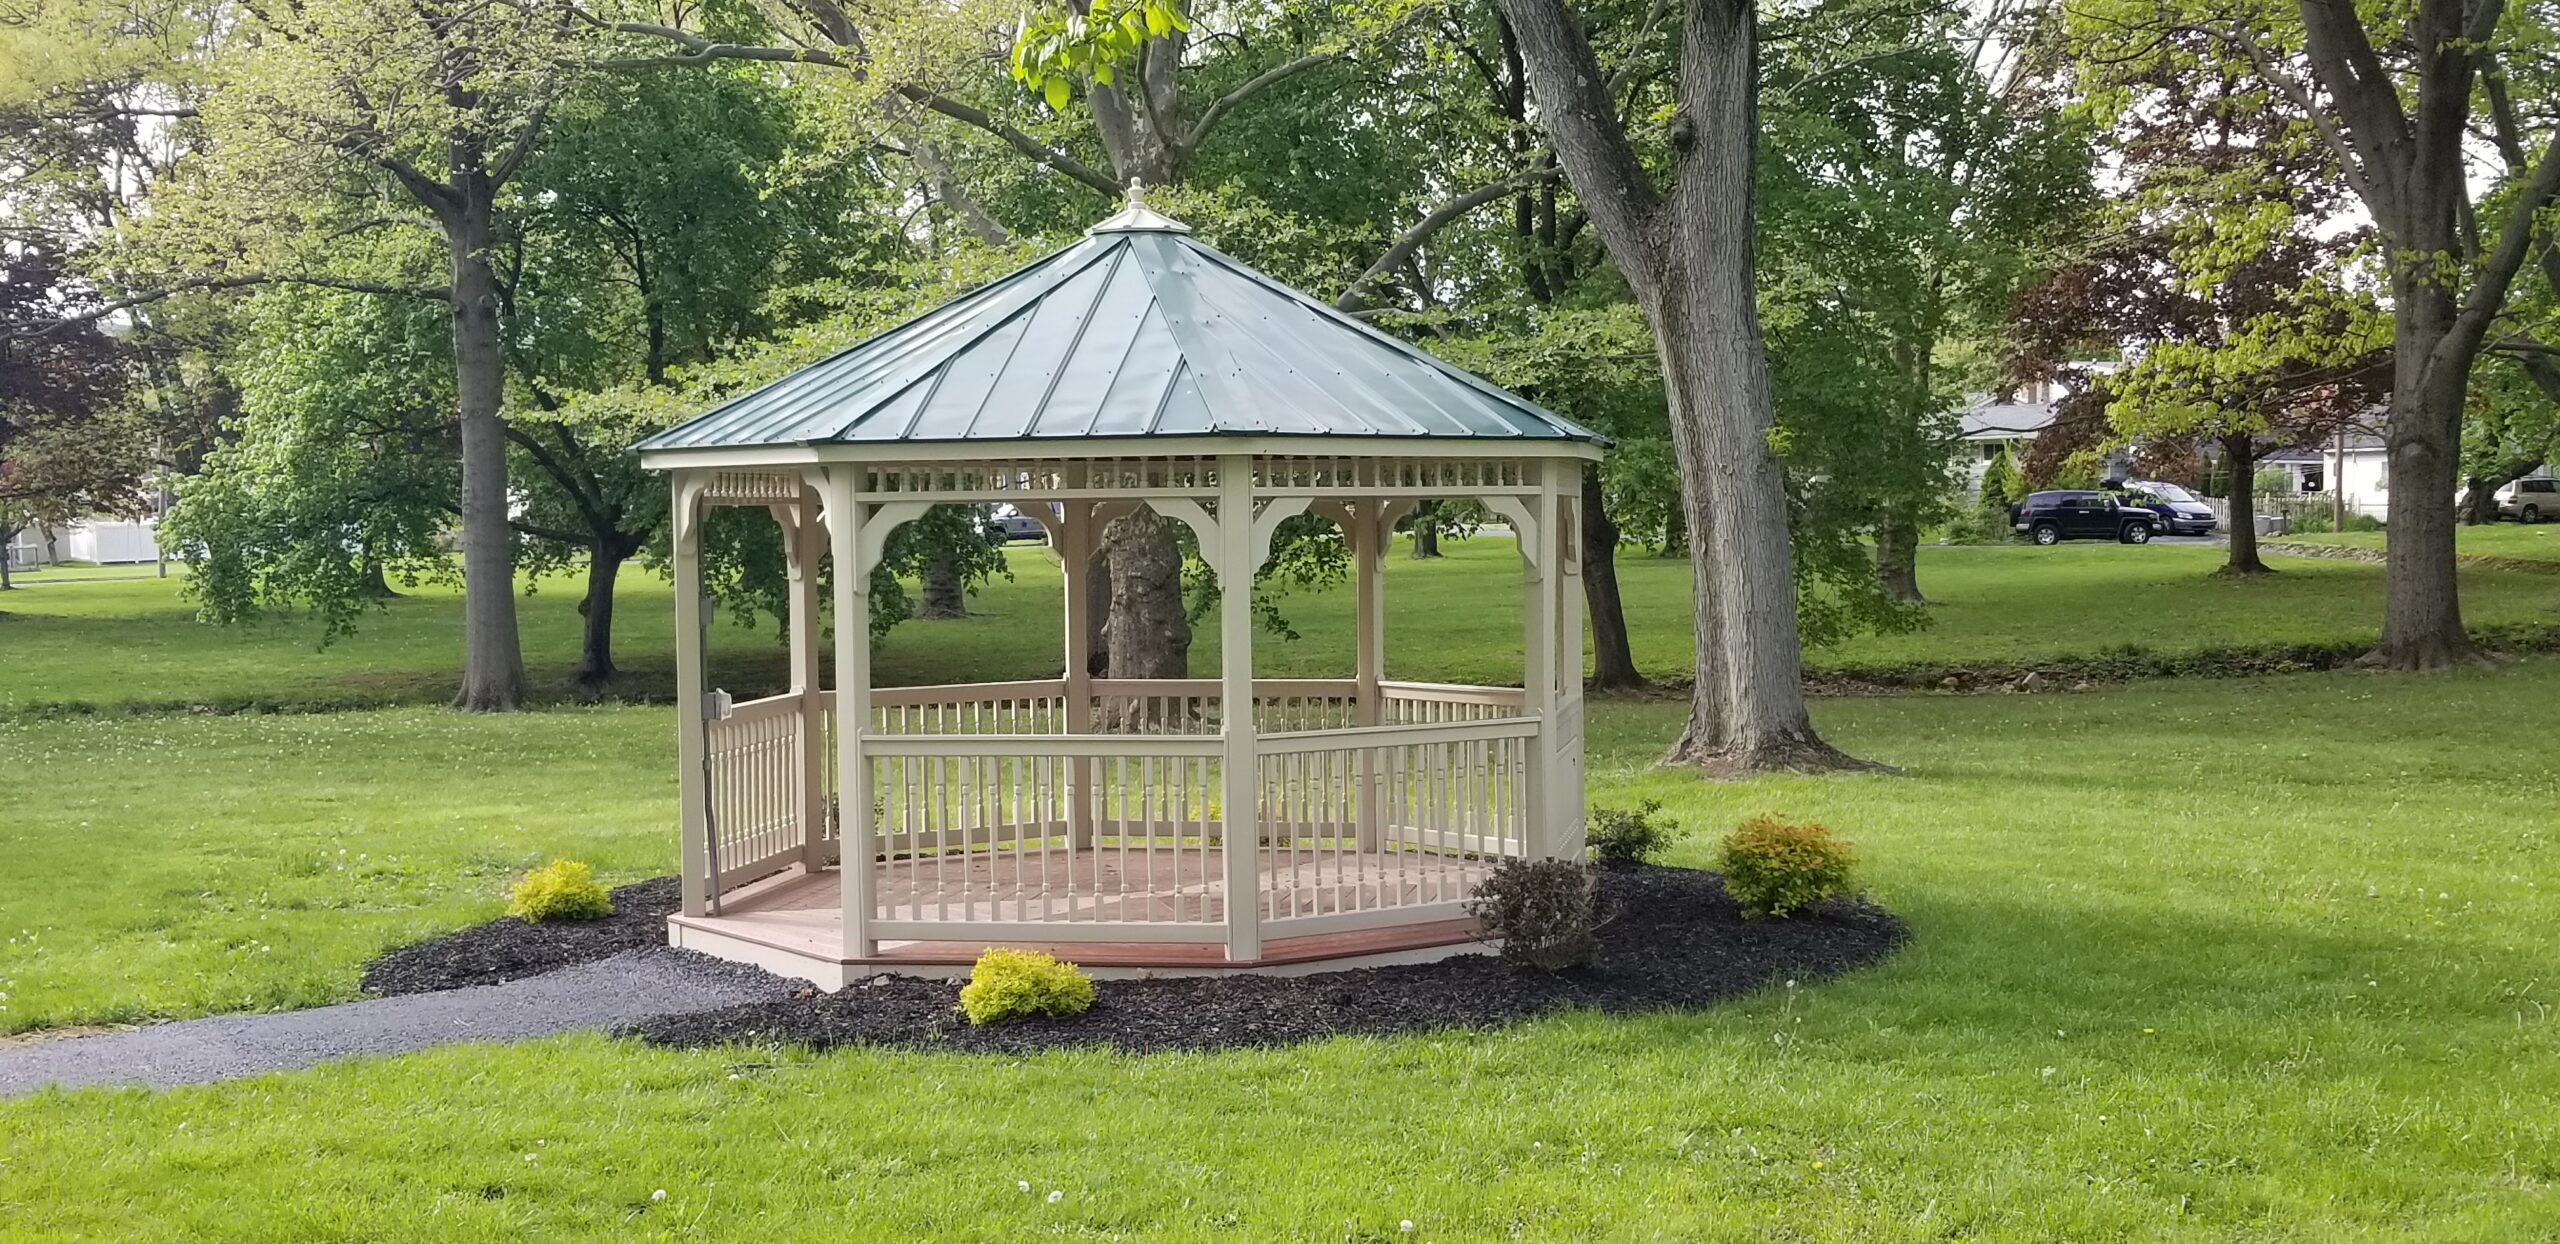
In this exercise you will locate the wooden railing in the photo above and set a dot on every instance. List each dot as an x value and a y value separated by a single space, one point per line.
1431 703
1364 825
992 820
994 833
1037 707
758 789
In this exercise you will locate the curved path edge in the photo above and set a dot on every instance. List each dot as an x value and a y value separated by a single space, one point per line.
607 993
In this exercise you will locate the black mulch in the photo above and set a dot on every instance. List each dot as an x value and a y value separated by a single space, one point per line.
510 949
1675 942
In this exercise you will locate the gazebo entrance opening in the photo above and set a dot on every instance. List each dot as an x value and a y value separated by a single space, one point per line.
1182 823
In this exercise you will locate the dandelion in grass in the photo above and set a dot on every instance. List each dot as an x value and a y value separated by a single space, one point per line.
1056 1196
659 1195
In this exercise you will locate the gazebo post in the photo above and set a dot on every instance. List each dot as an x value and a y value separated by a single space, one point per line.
692 733
1368 535
1074 540
1540 574
853 709
800 536
1563 743
1240 821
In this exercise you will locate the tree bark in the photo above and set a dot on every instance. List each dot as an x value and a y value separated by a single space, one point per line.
376 586
2242 453
1898 558
8 537
492 658
1149 635
1613 658
1426 530
595 639
1690 260
2421 603
1097 598
944 597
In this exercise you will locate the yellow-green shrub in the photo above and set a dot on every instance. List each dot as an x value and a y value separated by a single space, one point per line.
1010 983
559 890
1773 866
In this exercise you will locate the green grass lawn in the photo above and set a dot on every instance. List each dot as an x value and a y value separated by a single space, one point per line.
2539 542
1455 619
2239 960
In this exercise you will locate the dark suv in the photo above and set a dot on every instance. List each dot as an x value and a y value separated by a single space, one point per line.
2077 514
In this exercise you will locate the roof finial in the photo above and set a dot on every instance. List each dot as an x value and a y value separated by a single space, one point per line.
1137 193
1135 216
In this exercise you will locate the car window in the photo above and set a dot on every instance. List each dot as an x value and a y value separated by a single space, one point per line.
2171 492
2539 485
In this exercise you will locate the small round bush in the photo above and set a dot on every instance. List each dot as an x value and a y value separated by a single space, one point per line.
559 890
1010 983
1546 912
1622 837
1774 866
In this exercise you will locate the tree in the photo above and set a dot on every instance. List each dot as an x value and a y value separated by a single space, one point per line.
1915 159
1688 253
2218 275
340 462
652 228
67 448
2395 104
345 117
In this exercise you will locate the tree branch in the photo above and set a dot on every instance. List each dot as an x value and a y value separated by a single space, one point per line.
197 285
1226 103
2488 290
1030 147
2332 134
1582 119
1354 296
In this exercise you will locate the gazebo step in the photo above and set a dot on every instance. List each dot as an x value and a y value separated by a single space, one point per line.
789 925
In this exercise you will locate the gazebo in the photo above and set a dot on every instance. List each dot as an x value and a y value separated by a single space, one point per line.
1223 823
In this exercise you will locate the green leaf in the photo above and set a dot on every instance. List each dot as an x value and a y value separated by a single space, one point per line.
1055 91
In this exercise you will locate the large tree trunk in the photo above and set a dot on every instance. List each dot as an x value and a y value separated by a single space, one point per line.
2479 504
1613 659
1149 634
1425 524
595 641
944 596
374 585
2421 605
1898 558
2241 452
1690 258
1747 710
492 660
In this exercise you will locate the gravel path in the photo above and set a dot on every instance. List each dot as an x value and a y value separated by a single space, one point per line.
624 989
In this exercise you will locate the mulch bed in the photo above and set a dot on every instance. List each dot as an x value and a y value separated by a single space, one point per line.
1675 942
510 949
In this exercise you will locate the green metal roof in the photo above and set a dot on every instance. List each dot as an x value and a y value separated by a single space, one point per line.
1137 330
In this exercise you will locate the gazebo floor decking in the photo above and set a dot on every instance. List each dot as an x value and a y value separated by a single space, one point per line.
792 923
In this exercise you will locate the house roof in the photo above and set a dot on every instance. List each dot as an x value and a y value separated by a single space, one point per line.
1988 420
1137 330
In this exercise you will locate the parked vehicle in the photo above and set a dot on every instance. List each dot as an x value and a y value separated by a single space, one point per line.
2181 512
2530 500
1006 524
2081 514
